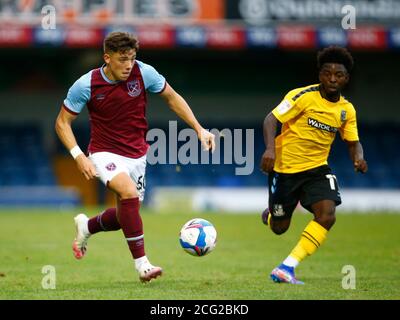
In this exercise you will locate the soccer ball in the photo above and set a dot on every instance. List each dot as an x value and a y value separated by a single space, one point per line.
198 237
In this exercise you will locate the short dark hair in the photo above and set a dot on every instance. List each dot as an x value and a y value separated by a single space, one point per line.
120 42
335 54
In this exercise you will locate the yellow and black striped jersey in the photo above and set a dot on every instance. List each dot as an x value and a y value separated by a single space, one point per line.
309 126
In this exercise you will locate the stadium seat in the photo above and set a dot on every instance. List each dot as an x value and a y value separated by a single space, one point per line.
25 169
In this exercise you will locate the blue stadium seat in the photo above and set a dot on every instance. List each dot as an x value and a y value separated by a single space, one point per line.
24 161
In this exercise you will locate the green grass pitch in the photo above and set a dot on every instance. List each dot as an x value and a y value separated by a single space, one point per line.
239 267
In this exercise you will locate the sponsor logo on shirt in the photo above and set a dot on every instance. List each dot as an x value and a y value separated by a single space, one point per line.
322 126
134 88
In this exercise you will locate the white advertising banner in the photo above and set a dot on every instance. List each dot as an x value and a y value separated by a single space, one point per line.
251 200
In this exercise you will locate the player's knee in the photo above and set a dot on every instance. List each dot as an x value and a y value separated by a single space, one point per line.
327 219
331 219
123 186
128 193
279 227
278 230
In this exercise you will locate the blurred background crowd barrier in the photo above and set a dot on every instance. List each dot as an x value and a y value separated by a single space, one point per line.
232 60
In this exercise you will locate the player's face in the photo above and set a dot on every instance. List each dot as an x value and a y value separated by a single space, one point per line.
333 77
120 64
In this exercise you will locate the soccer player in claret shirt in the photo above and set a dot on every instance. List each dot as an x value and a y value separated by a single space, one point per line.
115 95
296 159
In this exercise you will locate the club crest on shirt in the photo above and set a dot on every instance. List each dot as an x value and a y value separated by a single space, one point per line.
111 166
134 88
343 115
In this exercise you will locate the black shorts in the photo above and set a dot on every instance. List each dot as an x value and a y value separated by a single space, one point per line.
308 187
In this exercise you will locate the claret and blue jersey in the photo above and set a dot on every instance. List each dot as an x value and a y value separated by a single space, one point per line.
117 109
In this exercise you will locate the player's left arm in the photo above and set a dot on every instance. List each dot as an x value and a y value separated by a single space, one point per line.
349 134
179 105
357 156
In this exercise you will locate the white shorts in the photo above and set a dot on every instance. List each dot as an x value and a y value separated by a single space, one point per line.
108 165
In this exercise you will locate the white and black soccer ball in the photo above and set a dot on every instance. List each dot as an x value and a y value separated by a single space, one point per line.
198 237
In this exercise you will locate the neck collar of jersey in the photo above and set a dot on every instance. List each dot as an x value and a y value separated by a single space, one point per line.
105 77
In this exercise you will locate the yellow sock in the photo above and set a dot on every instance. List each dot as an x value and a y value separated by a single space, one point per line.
311 239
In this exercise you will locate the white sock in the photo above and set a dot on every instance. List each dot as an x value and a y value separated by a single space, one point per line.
140 261
291 262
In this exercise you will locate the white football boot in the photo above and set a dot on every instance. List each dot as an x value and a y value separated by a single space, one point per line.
147 271
79 245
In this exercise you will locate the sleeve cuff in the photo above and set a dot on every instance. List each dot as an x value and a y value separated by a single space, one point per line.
69 110
277 115
165 85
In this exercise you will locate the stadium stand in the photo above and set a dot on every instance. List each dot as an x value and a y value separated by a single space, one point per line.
378 141
26 173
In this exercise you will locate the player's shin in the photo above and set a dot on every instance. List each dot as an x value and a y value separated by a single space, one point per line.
105 221
311 239
131 224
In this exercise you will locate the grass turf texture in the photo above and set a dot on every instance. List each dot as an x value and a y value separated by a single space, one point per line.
239 267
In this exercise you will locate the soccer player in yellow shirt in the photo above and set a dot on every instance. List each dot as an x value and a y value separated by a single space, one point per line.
296 159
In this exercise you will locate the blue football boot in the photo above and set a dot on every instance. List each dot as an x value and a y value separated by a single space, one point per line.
284 274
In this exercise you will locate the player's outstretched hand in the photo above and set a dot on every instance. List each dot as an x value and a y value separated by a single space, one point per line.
86 167
267 161
207 140
360 166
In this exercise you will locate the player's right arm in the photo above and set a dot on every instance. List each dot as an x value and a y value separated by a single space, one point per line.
64 131
269 130
286 110
77 98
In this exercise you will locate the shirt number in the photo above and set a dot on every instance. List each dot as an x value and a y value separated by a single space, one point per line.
331 178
